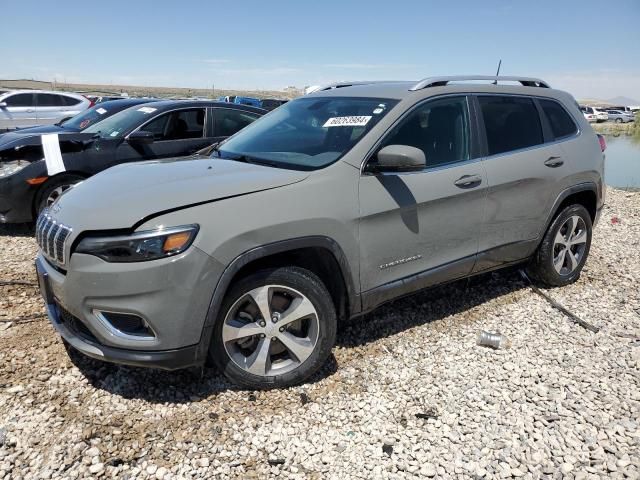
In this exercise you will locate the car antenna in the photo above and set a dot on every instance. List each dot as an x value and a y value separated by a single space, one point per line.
495 82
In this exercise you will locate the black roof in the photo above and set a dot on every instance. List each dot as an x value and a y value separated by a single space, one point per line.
163 105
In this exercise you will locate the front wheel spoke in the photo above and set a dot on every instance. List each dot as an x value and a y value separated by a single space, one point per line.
236 330
259 362
581 237
572 223
573 261
558 261
262 298
560 239
301 307
300 348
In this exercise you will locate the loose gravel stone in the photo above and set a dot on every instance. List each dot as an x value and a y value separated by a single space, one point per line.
408 378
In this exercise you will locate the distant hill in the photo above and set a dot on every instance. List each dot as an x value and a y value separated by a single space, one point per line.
623 101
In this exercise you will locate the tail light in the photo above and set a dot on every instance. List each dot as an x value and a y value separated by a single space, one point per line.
603 142
91 102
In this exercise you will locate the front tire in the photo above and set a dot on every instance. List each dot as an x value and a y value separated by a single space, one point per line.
275 329
564 248
618 120
53 189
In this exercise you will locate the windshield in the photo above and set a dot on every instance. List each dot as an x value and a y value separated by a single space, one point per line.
88 117
118 125
307 133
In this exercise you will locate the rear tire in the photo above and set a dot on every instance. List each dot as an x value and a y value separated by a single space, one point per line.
618 120
53 189
280 351
564 248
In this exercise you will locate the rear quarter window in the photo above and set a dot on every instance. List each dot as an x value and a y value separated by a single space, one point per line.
562 125
511 123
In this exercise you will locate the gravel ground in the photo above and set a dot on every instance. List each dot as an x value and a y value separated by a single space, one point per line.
407 393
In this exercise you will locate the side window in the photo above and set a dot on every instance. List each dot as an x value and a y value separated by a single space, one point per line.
187 124
49 100
439 128
561 123
228 121
179 125
70 101
20 100
158 126
511 123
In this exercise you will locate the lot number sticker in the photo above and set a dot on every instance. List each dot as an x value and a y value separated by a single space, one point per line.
101 111
347 121
147 109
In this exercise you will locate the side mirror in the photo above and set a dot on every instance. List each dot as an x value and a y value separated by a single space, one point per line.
3 104
400 158
141 137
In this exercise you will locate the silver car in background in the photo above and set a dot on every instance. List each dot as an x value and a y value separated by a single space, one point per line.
620 117
28 108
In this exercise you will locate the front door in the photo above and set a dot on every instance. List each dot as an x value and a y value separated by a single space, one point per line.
19 111
417 224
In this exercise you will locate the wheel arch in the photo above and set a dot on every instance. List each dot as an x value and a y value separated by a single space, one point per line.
322 255
585 194
36 197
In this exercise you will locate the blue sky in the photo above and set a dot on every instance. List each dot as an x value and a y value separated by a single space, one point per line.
272 44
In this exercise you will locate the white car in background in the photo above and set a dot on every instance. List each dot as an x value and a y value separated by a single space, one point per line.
601 115
591 117
28 108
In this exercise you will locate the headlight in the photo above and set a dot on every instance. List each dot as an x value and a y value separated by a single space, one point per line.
141 246
9 168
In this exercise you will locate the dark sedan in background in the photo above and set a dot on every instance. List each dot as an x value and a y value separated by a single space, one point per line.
33 176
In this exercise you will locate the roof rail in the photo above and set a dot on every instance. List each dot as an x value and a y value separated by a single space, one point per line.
331 86
442 81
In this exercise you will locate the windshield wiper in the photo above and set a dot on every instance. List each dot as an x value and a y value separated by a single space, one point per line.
252 160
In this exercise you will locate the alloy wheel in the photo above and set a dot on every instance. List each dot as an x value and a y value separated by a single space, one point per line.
270 330
569 245
55 194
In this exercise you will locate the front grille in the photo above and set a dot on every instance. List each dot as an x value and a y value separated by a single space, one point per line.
51 237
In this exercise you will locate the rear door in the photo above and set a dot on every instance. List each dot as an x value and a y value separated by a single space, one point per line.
177 133
523 175
50 108
19 111
228 121
426 221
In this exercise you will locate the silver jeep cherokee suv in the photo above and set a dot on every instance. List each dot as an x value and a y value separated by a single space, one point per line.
322 210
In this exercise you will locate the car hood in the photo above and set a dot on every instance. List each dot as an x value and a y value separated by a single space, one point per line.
32 136
122 196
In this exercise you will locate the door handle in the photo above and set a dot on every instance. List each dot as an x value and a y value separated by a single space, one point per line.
468 181
554 162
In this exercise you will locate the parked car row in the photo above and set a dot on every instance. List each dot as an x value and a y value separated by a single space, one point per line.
265 103
320 211
39 164
598 115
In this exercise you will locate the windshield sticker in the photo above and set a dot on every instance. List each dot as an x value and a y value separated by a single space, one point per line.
101 111
114 134
360 121
52 154
147 109
380 109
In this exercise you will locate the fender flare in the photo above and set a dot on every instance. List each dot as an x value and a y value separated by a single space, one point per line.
581 187
264 251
